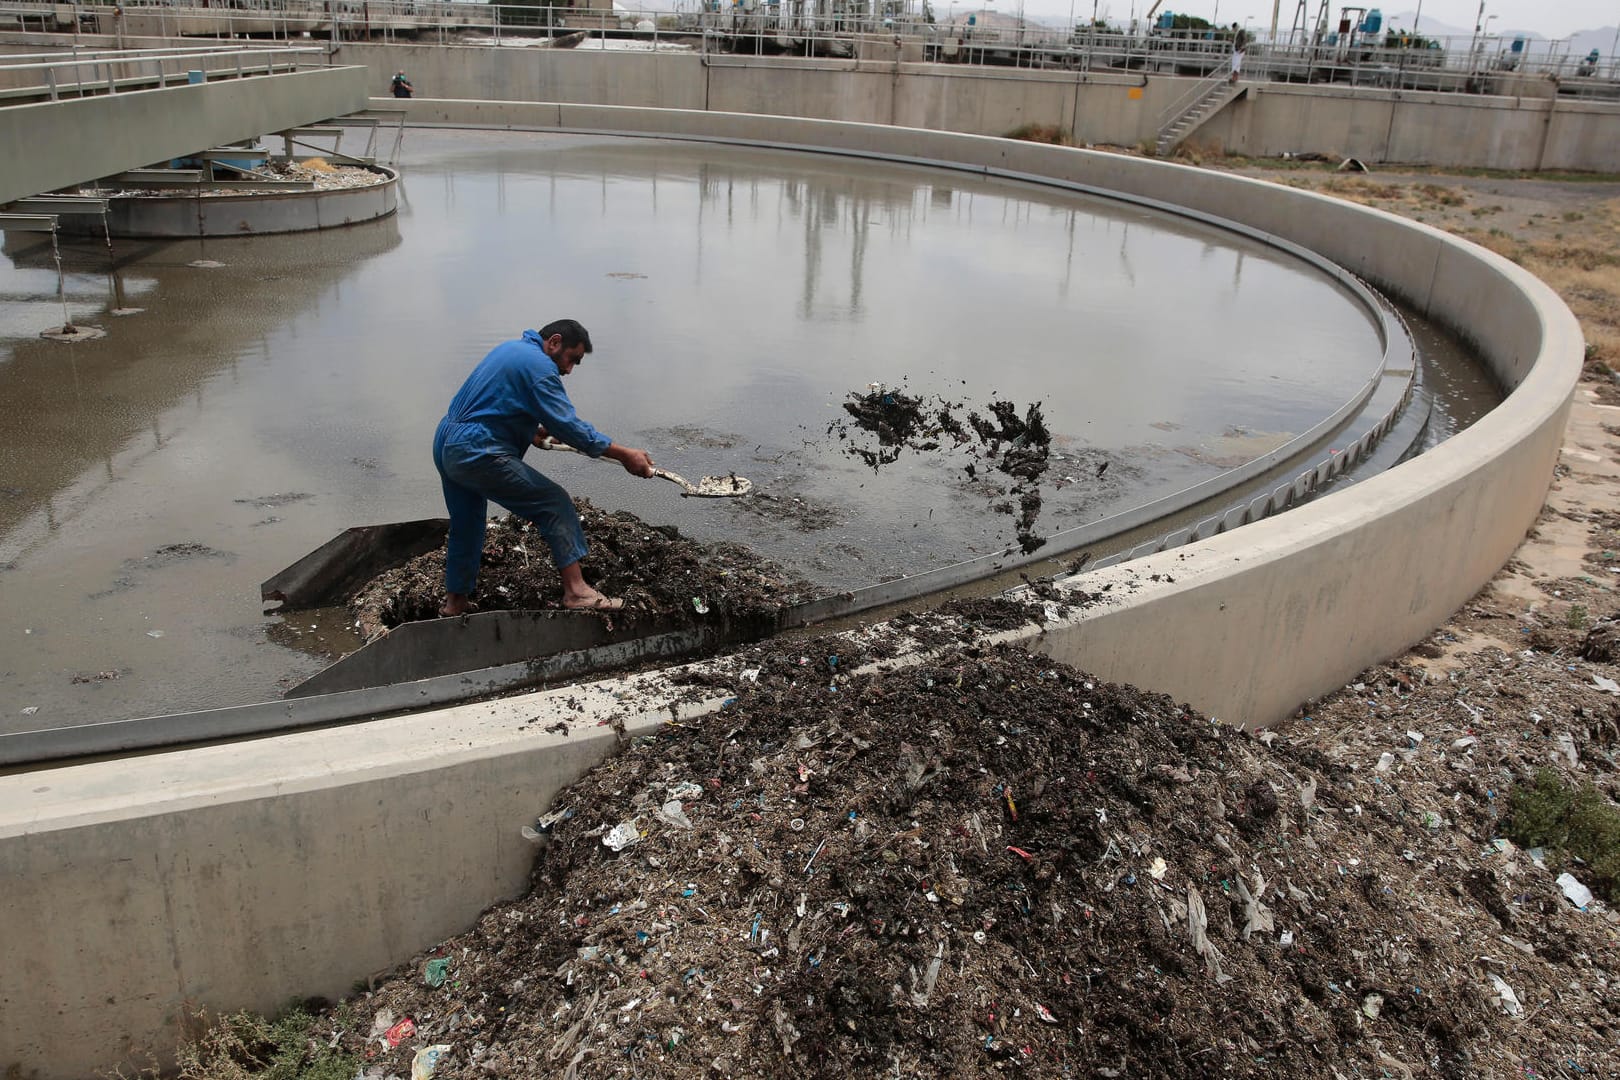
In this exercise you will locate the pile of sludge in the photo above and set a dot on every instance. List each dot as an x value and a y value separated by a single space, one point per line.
991 864
653 568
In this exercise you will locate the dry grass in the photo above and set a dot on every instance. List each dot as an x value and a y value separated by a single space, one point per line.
1575 250
1042 133
1440 195
1364 191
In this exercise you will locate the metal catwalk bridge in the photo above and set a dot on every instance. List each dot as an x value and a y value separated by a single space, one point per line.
64 122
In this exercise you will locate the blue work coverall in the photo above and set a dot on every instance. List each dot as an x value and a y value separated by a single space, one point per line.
478 449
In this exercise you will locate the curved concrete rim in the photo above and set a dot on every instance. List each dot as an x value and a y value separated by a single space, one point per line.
250 873
211 213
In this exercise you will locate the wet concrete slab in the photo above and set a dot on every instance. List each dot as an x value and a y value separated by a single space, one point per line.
272 391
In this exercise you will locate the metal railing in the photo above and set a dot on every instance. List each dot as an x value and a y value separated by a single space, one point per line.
112 71
1186 102
833 28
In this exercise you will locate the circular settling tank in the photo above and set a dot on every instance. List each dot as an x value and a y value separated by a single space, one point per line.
269 392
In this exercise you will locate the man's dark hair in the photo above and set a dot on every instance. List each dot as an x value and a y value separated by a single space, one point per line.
572 333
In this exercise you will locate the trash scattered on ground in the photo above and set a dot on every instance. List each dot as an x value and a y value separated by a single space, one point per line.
426 1062
990 863
400 1033
1578 894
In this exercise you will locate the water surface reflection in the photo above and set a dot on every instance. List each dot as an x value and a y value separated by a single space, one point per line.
257 407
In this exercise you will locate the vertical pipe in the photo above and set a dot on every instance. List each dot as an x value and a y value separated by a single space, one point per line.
112 263
61 284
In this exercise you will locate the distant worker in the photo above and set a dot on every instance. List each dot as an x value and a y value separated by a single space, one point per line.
1240 42
1589 65
514 399
401 86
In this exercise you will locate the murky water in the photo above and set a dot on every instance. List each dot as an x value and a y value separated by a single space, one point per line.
272 391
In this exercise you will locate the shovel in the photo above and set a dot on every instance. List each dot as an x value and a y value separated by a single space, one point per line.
708 487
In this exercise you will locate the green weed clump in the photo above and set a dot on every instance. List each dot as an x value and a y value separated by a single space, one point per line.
1572 822
245 1045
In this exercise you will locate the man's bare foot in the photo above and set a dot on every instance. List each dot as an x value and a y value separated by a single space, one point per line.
456 604
593 601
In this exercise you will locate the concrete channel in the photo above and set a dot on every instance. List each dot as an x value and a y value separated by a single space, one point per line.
250 872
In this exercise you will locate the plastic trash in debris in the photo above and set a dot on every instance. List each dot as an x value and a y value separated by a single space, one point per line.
546 821
751 674
159 633
1044 1013
1603 682
1506 997
622 836
1578 894
1157 870
399 1032
30 710
427 1059
699 606
1414 737
435 971
1565 742
1464 743
381 1022
674 814
685 790
1372 1005
1385 761
1286 938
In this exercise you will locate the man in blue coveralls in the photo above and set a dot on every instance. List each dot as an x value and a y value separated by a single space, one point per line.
513 399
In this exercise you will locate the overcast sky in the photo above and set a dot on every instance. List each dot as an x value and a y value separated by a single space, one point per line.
1550 18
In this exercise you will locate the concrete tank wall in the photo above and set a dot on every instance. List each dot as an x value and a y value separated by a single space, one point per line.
1120 109
1456 130
239 876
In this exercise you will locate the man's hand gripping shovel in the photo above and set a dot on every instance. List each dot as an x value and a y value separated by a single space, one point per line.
708 487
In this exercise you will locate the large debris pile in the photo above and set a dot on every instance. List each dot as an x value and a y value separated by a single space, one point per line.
990 864
653 568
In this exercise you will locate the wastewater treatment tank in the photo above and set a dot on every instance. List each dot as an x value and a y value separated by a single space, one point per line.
286 196
265 393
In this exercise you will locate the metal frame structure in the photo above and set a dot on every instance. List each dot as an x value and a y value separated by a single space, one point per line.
1310 50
